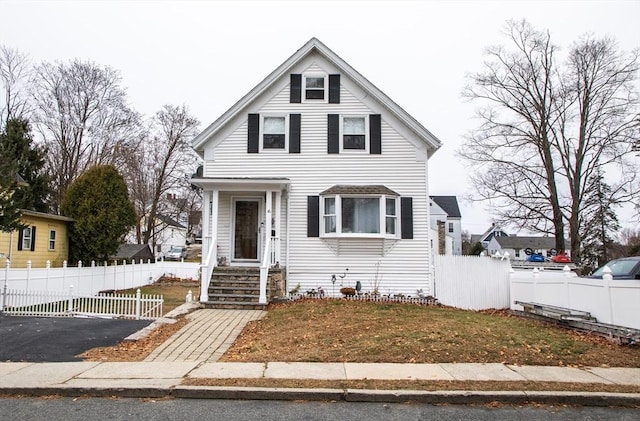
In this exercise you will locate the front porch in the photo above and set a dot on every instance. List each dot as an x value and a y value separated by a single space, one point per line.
244 229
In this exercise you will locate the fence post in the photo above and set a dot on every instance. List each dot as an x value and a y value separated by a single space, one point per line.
70 300
7 266
64 274
607 278
566 270
78 270
536 274
115 274
46 279
138 304
28 274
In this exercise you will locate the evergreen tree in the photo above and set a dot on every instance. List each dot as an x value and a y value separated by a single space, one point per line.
99 203
9 210
28 161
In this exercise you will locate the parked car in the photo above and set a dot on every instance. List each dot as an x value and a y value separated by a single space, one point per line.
536 257
561 258
624 268
176 253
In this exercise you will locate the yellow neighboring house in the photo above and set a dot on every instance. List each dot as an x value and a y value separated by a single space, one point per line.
45 237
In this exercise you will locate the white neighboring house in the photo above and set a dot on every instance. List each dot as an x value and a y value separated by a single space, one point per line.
519 248
446 221
167 232
316 170
485 238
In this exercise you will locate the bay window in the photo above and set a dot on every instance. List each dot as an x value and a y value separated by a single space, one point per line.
360 216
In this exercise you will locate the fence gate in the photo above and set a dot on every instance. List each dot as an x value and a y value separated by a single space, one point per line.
471 282
67 304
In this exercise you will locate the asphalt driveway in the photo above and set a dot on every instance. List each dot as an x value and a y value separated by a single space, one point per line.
54 339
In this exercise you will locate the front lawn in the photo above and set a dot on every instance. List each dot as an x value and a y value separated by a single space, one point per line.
346 331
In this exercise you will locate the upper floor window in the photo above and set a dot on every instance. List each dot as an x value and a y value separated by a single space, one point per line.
450 226
52 240
314 87
354 133
274 133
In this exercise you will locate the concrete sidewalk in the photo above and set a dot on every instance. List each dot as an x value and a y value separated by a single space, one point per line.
158 379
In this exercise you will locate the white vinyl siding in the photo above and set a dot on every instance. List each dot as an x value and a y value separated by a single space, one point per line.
403 264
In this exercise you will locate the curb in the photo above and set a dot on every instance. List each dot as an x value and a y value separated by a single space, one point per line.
347 395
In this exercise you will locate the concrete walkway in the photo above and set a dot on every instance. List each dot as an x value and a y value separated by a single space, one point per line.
206 337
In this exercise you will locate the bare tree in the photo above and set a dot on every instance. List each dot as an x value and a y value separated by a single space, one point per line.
162 165
83 116
548 129
14 73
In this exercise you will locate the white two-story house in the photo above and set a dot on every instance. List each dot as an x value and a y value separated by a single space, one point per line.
317 172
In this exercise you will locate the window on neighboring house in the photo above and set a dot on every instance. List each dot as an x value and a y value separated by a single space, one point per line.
274 133
517 252
27 238
314 87
347 215
450 226
52 240
354 133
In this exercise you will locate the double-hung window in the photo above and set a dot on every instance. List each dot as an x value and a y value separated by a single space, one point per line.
360 216
26 238
315 87
274 132
354 133
52 240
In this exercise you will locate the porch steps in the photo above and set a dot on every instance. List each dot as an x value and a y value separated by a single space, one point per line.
234 288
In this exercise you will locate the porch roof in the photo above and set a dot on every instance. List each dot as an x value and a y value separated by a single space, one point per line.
242 183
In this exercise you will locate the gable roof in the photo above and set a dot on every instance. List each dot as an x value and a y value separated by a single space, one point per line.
520 243
26 212
165 219
344 189
128 251
314 45
449 204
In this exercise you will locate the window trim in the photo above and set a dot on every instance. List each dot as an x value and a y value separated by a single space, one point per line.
28 238
303 85
382 216
52 231
367 137
261 132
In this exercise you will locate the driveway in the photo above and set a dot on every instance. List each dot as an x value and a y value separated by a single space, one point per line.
53 339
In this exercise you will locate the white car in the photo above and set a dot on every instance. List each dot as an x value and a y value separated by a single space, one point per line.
176 253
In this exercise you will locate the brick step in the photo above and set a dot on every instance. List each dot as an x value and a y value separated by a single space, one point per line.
234 297
231 283
229 305
215 289
236 276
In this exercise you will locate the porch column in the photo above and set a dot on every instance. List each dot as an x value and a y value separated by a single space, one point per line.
266 255
209 241
278 215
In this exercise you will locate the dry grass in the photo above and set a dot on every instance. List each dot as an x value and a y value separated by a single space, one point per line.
174 293
345 331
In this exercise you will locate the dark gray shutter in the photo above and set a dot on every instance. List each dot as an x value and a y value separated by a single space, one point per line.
253 134
334 89
295 89
313 216
406 217
33 238
375 134
333 133
294 133
20 233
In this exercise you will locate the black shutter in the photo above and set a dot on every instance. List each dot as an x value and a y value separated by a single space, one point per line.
333 133
295 89
375 134
294 133
33 238
334 89
253 134
20 233
406 218
313 216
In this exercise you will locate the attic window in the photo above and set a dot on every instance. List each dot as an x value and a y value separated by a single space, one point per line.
314 87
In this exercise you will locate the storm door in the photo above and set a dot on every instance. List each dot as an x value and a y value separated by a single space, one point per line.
246 229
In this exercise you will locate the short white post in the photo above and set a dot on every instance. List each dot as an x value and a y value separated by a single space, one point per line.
46 279
566 271
607 278
189 297
536 275
138 304
64 274
28 274
70 300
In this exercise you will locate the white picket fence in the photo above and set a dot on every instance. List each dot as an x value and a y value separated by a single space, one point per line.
68 304
610 301
471 282
92 279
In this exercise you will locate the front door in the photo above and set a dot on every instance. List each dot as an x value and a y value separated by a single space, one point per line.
246 229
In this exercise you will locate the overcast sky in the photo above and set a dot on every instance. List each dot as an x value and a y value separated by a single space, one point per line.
208 54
